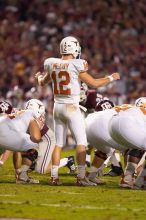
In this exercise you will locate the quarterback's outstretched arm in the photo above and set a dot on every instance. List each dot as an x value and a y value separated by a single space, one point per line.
89 80
43 78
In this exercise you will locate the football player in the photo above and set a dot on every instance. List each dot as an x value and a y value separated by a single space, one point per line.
116 167
88 101
99 137
128 128
42 162
14 134
5 108
66 73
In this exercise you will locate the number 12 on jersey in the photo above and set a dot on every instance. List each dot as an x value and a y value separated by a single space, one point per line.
61 81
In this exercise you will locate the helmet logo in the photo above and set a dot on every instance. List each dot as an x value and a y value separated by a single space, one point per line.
65 47
4 106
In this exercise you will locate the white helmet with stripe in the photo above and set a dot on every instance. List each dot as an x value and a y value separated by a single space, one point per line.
140 101
70 45
36 105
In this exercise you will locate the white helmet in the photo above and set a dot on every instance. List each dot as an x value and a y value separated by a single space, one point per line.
70 45
140 101
36 105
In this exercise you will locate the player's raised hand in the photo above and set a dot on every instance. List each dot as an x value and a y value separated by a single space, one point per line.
115 76
37 75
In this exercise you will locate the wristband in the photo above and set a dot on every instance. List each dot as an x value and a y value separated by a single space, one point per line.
111 78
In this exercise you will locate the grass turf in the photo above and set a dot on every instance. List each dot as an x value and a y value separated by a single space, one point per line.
68 202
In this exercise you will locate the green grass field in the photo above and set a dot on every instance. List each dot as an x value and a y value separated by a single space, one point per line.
68 202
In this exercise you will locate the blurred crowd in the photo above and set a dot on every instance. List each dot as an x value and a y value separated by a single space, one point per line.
112 34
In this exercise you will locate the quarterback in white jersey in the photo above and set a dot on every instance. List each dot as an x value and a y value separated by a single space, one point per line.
66 73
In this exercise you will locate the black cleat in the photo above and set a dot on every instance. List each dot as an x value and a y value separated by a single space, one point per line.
71 164
114 171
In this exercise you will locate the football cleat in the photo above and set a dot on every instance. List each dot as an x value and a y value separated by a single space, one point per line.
84 182
126 183
55 182
140 183
25 179
96 180
114 171
71 164
29 180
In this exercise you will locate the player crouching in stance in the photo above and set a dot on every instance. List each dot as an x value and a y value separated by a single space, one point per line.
128 128
66 74
20 132
99 137
41 161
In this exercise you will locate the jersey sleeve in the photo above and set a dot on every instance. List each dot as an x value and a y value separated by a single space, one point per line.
47 64
82 65
32 114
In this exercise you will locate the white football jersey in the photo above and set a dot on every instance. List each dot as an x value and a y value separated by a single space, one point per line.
138 112
65 77
97 130
13 131
22 119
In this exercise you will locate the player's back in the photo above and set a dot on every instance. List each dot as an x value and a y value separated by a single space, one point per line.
20 121
65 78
97 123
101 115
137 112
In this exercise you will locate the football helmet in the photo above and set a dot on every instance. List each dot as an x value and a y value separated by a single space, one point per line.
140 101
36 105
103 105
5 107
70 45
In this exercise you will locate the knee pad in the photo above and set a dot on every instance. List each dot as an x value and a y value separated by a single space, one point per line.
100 154
136 153
31 154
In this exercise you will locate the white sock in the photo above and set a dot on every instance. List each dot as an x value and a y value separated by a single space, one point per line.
88 157
81 171
63 162
54 171
93 169
24 168
92 172
107 161
115 159
23 173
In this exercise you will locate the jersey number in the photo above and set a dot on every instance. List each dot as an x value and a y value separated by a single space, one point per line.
63 79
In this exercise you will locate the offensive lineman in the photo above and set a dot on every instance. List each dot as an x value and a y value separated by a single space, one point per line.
66 73
128 128
41 161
